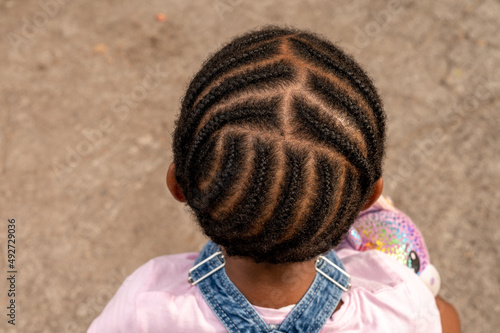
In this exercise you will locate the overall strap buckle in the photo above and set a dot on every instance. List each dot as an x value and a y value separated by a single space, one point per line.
329 278
213 257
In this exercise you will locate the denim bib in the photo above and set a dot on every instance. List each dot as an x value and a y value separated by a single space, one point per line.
238 315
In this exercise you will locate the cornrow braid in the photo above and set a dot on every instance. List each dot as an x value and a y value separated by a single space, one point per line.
317 128
232 160
321 208
228 56
344 58
276 227
331 58
262 52
324 89
256 193
279 142
350 73
261 76
332 233
259 112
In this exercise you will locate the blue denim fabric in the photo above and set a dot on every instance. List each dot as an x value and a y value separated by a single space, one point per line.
238 315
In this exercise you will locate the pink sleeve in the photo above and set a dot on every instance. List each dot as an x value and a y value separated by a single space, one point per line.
385 297
120 313
426 318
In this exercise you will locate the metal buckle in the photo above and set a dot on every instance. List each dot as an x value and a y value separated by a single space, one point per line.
190 279
336 267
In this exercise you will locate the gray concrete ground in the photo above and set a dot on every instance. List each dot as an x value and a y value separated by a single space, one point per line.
85 144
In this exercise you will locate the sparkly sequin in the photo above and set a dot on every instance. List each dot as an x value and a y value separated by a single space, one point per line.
391 232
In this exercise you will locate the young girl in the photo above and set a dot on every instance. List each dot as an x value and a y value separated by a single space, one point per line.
277 149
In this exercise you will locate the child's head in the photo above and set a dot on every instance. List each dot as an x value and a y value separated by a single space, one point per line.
279 145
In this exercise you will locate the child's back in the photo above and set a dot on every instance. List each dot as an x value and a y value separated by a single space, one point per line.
384 297
278 147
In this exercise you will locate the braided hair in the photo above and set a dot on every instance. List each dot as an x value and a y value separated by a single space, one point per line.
278 144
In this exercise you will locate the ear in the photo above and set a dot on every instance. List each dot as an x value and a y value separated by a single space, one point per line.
172 184
377 191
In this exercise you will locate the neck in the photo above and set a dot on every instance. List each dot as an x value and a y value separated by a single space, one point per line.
270 285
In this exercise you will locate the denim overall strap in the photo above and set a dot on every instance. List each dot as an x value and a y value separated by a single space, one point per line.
238 315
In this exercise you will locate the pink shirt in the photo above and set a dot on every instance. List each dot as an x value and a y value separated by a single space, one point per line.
385 297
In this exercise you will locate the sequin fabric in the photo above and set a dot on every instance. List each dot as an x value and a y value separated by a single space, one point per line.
386 229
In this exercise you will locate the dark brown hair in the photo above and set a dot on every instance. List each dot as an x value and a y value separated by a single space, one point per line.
279 142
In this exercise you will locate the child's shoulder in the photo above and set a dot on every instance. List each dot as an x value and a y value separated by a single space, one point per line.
167 272
160 283
374 270
383 288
